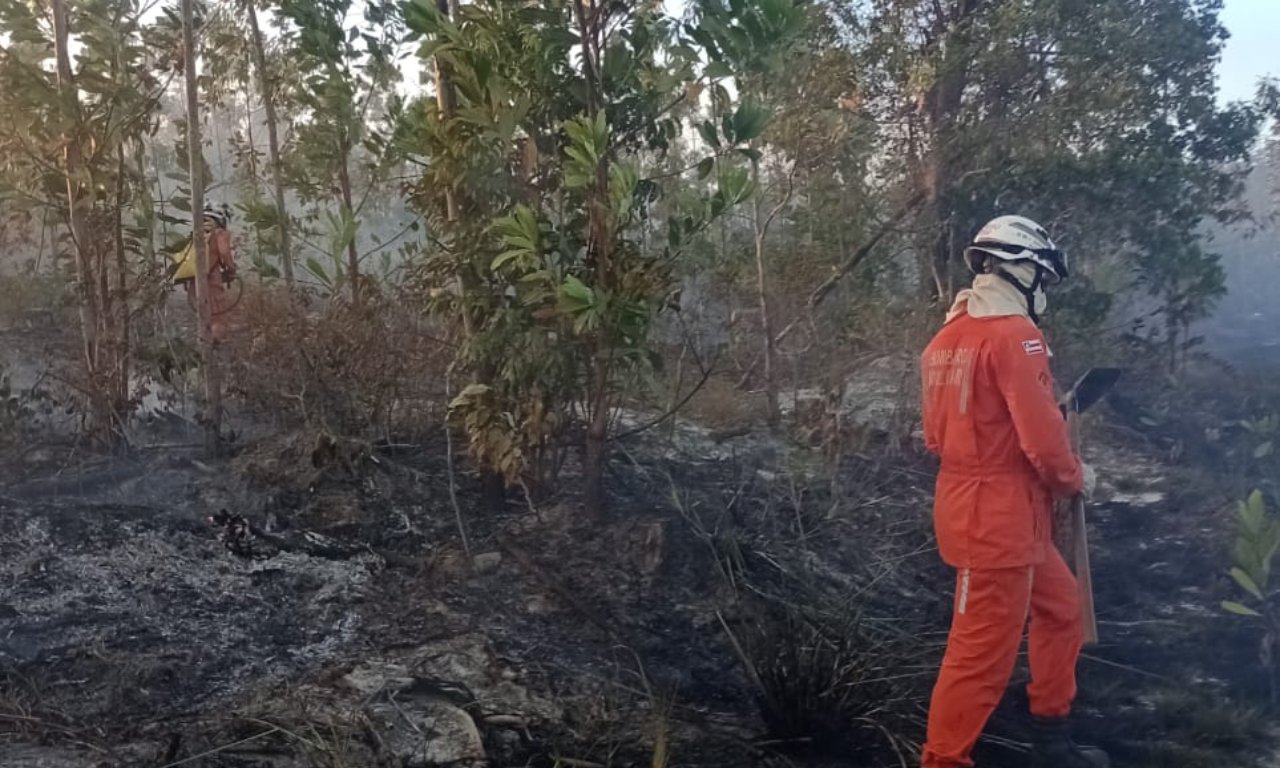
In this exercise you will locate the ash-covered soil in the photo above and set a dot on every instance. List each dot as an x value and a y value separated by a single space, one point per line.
350 629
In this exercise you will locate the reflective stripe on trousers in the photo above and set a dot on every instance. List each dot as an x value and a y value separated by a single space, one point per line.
991 611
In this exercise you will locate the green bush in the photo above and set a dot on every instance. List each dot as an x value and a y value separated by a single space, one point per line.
1252 557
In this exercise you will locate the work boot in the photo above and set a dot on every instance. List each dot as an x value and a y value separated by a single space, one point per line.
1052 747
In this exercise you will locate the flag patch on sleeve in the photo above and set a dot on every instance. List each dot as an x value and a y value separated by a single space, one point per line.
1033 347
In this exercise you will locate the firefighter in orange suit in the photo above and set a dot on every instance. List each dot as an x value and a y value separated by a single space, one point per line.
991 416
222 268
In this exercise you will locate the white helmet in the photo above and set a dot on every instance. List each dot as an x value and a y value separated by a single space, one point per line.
1017 238
219 216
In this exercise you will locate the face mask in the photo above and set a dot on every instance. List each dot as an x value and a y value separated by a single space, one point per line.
1027 278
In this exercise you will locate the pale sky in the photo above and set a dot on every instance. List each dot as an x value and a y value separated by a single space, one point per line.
1254 48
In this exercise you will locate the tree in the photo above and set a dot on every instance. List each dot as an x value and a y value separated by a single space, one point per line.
1269 103
268 89
804 85
212 380
559 108
97 110
346 79
239 67
1099 119
77 202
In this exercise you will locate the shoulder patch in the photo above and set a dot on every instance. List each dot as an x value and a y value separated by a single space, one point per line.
1033 347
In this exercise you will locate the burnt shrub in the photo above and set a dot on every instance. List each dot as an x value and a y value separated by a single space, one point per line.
373 370
833 683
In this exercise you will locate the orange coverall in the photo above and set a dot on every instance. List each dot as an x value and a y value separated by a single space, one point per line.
991 416
220 259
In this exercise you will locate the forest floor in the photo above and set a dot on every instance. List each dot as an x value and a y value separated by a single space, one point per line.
689 627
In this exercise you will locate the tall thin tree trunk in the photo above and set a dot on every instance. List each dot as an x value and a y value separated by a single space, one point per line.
445 101
759 234
942 103
600 257
253 174
149 301
348 206
101 255
1173 335
266 84
212 379
122 291
77 207
160 191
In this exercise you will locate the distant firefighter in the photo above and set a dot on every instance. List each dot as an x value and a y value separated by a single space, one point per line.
222 269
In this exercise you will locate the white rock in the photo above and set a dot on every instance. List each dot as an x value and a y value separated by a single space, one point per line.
1139 499
429 732
486 562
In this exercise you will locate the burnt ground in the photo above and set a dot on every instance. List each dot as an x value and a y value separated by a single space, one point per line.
1174 681
131 633
351 631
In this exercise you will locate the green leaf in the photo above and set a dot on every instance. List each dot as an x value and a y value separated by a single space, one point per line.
735 185
576 130
1269 545
1253 513
708 131
1264 450
577 292
582 155
623 178
706 167
1243 554
505 257
601 134
1246 582
727 129
317 269
584 322
617 61
717 205
1239 609
575 178
718 69
520 231
749 121
536 276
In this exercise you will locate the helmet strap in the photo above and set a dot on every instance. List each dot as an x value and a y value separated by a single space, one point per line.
1028 291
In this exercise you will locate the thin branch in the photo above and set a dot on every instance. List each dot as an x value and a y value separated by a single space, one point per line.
1126 668
706 375
388 243
224 747
453 481
820 293
786 198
